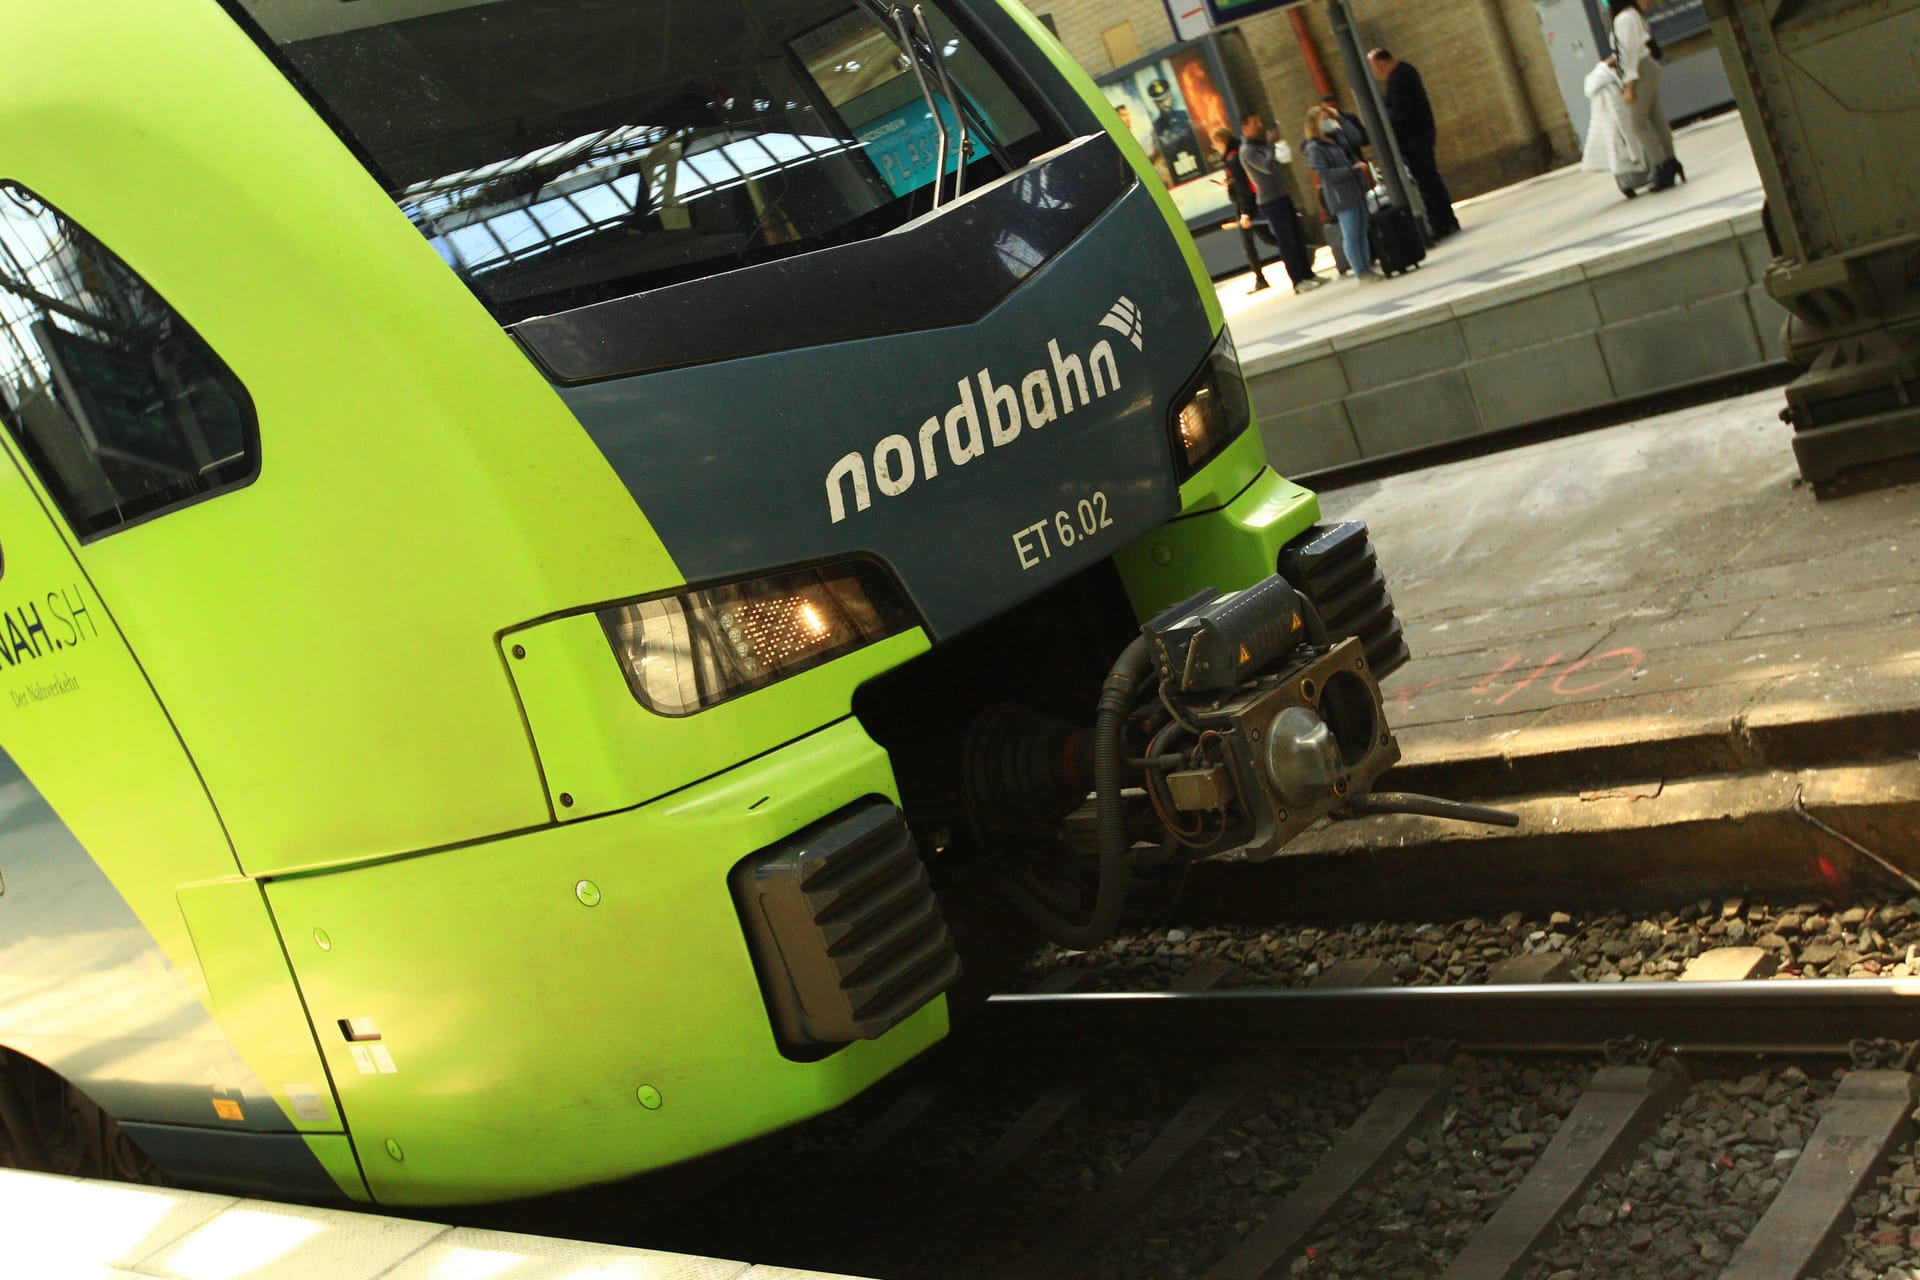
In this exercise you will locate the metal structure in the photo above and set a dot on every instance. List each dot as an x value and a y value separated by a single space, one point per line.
1186 1080
655 314
1832 109
1813 1018
1191 22
1367 100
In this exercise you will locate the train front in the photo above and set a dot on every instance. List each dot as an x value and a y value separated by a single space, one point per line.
984 616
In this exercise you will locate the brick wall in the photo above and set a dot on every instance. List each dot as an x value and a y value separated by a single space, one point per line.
1498 107
1082 22
1485 64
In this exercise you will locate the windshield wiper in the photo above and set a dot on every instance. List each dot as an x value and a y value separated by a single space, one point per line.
953 102
905 33
920 53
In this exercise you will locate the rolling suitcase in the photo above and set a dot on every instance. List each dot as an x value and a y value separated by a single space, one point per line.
1397 245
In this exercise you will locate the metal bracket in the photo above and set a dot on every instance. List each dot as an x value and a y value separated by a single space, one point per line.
1434 1049
1634 1051
1883 1054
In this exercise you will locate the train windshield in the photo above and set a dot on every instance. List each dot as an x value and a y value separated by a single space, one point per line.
561 152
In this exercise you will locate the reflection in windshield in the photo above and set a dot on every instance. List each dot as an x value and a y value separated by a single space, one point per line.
615 178
119 405
42 282
558 152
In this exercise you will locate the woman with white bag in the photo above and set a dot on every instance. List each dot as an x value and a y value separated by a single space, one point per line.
1611 147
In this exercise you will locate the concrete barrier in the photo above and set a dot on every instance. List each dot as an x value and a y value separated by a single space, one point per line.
1625 322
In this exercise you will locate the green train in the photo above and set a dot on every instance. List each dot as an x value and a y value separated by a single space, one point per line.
576 576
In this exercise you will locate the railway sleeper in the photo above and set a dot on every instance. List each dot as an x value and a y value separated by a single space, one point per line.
1620 1107
1869 1118
1411 1103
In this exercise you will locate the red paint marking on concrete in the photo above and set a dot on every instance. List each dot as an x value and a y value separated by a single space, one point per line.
1505 667
1406 696
1631 661
1634 659
1537 673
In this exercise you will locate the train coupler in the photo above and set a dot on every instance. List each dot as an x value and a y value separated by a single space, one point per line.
1231 725
1280 725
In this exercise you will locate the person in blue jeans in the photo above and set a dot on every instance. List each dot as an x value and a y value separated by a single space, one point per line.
1333 152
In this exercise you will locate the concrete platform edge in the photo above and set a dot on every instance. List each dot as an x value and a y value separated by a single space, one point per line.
1641 318
1826 833
52 1226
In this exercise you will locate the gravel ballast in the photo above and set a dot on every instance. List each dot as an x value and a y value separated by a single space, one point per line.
1696 1187
1860 939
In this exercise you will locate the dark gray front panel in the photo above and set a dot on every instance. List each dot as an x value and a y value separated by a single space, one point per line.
85 990
931 273
247 1163
732 461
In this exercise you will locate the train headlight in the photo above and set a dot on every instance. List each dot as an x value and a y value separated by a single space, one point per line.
1212 411
687 652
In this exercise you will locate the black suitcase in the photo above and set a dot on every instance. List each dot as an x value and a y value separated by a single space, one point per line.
1330 232
1397 244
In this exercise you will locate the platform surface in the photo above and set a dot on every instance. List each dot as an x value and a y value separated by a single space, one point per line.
54 1228
1667 591
1563 218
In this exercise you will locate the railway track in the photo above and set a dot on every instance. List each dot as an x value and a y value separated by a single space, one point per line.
1541 1131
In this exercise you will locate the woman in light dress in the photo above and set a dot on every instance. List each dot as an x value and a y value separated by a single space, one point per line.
1610 143
1639 55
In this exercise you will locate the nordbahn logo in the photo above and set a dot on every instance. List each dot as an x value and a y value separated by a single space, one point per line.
988 413
1124 319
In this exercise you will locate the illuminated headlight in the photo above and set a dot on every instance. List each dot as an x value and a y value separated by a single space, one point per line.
1212 411
687 652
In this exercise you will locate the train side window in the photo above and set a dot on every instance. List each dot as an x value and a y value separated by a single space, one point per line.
123 410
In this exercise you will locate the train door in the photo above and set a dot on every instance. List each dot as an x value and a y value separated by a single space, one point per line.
125 925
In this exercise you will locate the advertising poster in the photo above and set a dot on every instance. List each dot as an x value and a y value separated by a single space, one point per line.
1172 105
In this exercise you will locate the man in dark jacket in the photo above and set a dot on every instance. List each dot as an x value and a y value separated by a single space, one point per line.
1411 116
1246 208
1266 170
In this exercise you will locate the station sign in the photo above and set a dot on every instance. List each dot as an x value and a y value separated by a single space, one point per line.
1195 18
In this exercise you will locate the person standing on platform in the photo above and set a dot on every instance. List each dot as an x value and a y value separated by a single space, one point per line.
1265 163
1639 57
1334 152
1611 147
1240 191
1355 130
1411 116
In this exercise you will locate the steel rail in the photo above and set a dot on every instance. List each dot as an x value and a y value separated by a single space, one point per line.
1814 1017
